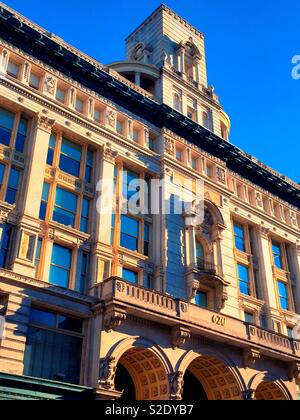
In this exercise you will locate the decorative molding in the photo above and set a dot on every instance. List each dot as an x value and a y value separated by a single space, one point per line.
114 319
176 381
294 371
50 84
179 336
264 232
109 155
250 357
45 123
107 372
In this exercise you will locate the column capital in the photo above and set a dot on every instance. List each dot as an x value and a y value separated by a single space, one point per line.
109 155
264 232
44 123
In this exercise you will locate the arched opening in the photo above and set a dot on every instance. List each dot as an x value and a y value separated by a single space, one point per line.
141 375
208 378
269 391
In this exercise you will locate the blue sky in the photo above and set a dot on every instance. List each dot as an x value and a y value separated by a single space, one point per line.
249 47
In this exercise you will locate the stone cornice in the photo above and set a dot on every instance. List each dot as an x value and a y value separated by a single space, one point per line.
84 70
47 287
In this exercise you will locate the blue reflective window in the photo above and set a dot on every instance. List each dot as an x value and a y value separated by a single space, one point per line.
21 136
82 272
5 244
12 186
131 184
283 295
112 234
84 222
51 149
130 276
277 255
44 201
89 166
129 233
201 300
67 323
2 171
146 239
6 125
249 318
42 318
239 237
199 251
38 253
60 266
70 157
244 280
65 207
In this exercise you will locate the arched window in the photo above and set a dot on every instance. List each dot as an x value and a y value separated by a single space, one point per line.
206 119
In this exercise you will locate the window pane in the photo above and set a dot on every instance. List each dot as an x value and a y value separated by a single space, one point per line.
249 318
277 255
244 281
199 251
34 81
283 295
13 183
2 171
62 256
51 149
6 233
13 69
70 158
59 277
21 136
129 233
65 207
69 324
82 272
201 300
130 276
239 235
42 318
60 95
6 119
52 355
89 166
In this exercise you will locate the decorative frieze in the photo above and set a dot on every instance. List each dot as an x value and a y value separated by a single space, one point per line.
45 123
250 357
50 84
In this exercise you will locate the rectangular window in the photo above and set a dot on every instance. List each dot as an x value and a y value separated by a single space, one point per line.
21 136
120 127
6 233
70 158
130 276
195 163
148 281
179 155
79 105
38 255
51 149
13 69
89 166
6 126
84 223
146 239
129 233
249 318
131 184
135 135
34 81
53 347
60 95
202 300
82 272
290 332
44 201
244 280
97 115
60 268
65 207
277 255
283 295
2 172
112 234
239 237
12 187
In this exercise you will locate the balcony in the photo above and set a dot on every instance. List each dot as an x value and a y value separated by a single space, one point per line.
121 299
207 268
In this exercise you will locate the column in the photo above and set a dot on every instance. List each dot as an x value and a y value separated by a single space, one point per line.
28 228
102 253
138 78
197 70
266 273
182 60
4 59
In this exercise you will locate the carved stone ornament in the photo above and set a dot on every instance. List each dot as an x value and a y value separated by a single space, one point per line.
107 372
250 357
109 155
50 84
111 118
221 296
264 232
221 175
294 371
179 336
114 319
45 123
169 146
176 385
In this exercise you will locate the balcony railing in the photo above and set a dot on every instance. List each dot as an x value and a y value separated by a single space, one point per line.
207 267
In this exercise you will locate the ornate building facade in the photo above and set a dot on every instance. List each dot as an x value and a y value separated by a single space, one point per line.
146 306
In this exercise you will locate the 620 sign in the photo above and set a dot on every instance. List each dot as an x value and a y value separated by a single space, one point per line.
219 320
